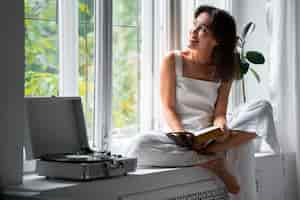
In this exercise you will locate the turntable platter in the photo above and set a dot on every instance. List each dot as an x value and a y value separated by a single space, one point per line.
76 158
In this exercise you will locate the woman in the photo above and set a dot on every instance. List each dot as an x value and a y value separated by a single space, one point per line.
194 88
204 76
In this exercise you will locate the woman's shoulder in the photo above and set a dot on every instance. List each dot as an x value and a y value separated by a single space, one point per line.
171 55
184 52
169 62
169 59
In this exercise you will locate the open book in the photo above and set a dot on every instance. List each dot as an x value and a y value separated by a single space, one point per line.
207 135
203 137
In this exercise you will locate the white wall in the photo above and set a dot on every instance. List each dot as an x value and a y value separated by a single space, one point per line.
11 87
254 10
249 10
296 175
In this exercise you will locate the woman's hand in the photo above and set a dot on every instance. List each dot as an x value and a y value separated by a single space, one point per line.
221 123
186 139
182 138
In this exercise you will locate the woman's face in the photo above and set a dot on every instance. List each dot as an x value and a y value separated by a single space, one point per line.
200 35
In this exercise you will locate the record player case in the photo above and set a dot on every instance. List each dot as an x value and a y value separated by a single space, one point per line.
55 135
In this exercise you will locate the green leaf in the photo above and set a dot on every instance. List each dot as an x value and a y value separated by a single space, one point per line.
255 57
244 67
255 75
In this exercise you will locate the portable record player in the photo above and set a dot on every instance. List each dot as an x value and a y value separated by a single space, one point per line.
56 136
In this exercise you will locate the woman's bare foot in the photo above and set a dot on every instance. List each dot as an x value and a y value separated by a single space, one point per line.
218 167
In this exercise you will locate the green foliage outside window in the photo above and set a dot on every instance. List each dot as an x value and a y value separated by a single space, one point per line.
125 62
87 60
42 54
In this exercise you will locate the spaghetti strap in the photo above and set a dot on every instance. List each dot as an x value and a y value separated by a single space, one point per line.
178 63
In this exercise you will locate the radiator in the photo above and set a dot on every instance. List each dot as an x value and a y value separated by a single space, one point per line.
202 190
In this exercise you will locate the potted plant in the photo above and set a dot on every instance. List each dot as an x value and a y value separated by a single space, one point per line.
247 57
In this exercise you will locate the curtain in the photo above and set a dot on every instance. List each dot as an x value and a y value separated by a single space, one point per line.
284 76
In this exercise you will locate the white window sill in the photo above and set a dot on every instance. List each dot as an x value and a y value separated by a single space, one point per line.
135 182
139 182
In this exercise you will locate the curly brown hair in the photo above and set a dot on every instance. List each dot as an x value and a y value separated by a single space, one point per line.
223 27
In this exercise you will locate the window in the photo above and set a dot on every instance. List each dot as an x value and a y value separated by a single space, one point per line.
60 52
41 48
50 58
126 65
133 70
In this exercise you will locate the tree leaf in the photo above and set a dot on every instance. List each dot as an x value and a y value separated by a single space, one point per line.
255 57
255 75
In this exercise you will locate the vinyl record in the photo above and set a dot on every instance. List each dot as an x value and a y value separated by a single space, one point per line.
76 158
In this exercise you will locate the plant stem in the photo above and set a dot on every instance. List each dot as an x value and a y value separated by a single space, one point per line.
244 90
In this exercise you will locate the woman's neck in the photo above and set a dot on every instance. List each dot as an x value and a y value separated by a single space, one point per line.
200 57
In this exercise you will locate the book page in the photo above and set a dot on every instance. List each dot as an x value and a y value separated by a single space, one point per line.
206 130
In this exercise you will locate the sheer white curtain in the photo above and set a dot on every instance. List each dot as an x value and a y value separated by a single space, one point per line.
284 75
167 35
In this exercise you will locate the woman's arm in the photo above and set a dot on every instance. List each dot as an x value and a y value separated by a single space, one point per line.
221 106
168 92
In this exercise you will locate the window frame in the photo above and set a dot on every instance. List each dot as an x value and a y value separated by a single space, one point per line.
150 28
146 105
103 93
68 38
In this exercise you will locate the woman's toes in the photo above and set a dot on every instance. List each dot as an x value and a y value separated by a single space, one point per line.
234 189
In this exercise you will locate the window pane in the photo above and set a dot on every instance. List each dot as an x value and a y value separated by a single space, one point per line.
125 64
41 48
125 12
86 62
40 9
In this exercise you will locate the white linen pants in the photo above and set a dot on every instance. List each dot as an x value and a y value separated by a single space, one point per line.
156 149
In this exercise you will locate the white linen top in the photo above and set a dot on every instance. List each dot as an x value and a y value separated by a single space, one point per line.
195 99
